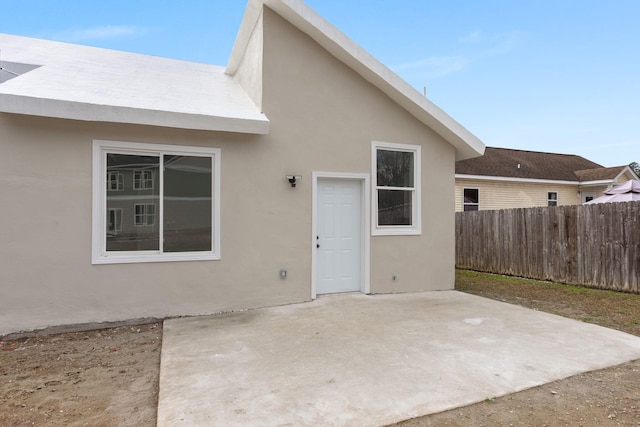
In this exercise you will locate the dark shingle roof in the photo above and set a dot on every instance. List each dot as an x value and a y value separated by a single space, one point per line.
599 174
505 162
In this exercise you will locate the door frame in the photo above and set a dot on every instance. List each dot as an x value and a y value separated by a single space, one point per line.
365 225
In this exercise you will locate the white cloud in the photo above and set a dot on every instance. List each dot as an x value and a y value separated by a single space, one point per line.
434 66
504 43
474 37
475 47
102 32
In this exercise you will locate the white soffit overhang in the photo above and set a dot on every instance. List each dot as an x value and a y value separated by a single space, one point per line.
346 50
531 180
86 83
510 179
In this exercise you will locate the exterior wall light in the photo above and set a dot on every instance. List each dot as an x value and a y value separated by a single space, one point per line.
293 179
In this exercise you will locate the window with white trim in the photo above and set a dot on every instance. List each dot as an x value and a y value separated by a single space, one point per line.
552 198
144 214
115 181
143 180
471 199
169 213
396 189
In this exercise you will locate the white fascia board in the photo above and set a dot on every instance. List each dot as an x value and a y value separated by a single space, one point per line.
596 183
351 54
509 179
532 180
118 114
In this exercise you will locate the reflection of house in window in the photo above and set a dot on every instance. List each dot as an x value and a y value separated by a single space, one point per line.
115 181
143 180
145 214
177 188
114 220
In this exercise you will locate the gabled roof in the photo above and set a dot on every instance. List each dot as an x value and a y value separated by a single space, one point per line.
351 54
601 174
505 162
88 83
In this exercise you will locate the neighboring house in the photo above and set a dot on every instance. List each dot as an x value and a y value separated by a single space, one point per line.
136 186
504 178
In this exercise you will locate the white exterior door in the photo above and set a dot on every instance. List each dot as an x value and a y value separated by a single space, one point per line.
338 240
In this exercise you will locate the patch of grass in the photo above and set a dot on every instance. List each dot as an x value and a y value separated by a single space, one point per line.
611 309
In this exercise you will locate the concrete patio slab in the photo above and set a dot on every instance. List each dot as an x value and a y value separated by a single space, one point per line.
358 360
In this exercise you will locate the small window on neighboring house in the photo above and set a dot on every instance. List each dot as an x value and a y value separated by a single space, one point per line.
176 218
552 198
396 189
471 199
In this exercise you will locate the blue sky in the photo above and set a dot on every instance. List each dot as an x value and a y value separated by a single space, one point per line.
558 76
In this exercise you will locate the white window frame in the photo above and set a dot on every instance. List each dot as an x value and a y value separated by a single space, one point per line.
99 254
549 200
470 204
416 202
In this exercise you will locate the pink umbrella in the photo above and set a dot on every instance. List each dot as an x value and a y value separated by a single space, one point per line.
626 192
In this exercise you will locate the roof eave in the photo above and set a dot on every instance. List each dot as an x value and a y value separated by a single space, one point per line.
534 180
514 179
627 169
71 110
596 182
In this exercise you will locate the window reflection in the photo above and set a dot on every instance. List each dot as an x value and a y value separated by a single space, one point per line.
187 203
131 212
394 207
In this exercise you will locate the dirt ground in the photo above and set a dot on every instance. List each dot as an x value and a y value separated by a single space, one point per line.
105 377
109 377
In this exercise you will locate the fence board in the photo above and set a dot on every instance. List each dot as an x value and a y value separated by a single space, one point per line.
590 245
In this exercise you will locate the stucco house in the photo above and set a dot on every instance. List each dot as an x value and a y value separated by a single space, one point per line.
136 186
504 178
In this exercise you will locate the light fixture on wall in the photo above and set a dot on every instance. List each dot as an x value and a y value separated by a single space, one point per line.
293 179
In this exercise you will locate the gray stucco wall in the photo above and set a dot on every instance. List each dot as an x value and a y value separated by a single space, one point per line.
323 118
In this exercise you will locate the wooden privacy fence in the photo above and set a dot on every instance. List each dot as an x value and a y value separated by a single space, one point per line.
594 245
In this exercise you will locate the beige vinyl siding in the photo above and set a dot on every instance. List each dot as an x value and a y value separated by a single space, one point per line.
507 195
626 176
